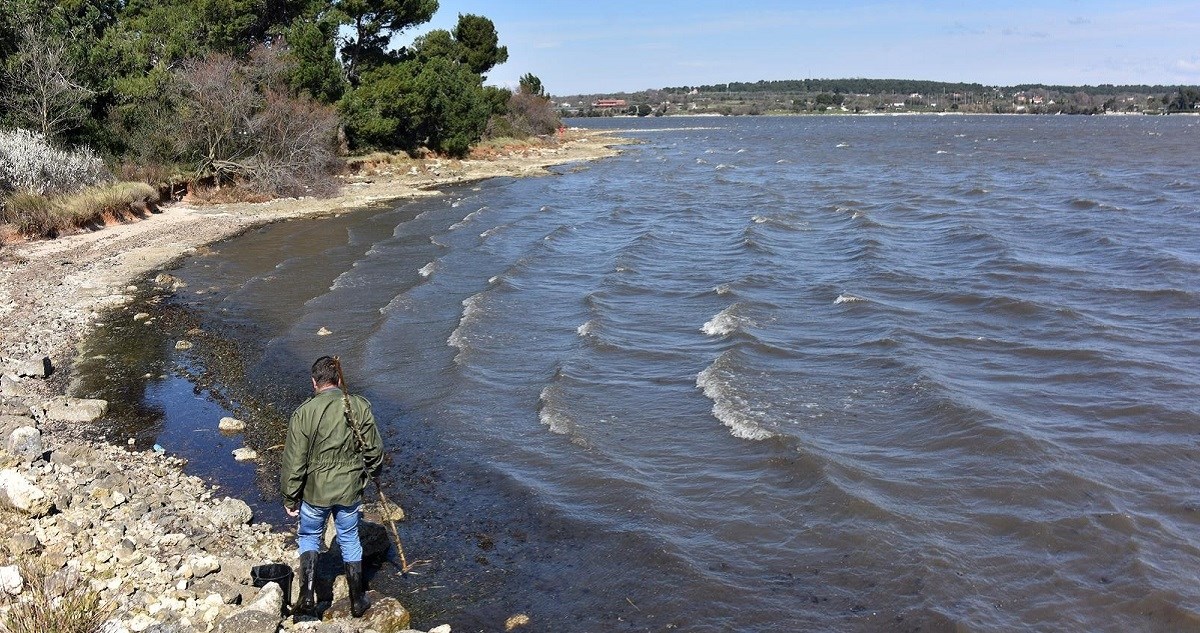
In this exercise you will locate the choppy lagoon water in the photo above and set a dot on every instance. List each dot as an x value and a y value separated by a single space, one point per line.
755 374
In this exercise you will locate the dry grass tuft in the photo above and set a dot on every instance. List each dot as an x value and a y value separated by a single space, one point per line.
36 216
54 602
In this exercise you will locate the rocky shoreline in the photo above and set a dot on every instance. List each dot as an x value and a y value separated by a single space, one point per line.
87 517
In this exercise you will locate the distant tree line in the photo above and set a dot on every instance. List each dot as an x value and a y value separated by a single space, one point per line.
890 95
259 90
907 86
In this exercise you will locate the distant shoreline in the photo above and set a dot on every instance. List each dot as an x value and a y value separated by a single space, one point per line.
717 115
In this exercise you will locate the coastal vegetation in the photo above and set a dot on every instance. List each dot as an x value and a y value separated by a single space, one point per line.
263 98
869 96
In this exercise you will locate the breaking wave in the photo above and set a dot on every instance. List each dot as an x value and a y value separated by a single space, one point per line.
727 321
729 407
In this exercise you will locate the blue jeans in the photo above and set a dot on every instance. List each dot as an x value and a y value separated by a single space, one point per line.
312 528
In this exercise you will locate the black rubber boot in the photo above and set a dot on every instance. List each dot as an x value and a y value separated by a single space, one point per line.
358 590
307 604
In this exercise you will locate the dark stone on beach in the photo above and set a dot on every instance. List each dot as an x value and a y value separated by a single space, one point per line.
230 593
249 621
376 541
23 544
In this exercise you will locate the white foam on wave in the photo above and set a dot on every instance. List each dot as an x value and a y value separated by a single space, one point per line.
847 298
740 151
433 240
725 322
587 329
490 232
722 166
398 303
544 208
428 269
470 216
723 289
842 145
472 306
701 161
758 219
942 151
731 409
783 161
549 415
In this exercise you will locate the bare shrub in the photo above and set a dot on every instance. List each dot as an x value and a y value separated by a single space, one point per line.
296 138
28 163
218 103
529 115
42 90
242 132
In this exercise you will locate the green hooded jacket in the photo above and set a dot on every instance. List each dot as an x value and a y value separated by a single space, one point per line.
321 461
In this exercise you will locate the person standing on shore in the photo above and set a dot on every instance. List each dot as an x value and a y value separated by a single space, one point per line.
324 471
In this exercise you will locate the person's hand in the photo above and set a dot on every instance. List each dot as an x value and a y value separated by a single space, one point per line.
292 513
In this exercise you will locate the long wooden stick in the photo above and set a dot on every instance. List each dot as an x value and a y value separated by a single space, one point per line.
405 568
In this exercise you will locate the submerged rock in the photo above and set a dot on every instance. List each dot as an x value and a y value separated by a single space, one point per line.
169 282
231 425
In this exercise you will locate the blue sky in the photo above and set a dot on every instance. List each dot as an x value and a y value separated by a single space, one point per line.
590 46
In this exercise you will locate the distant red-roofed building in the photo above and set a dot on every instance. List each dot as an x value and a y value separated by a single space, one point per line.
609 103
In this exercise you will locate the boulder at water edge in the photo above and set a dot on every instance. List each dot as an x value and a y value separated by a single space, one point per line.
36 368
79 410
230 513
386 615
